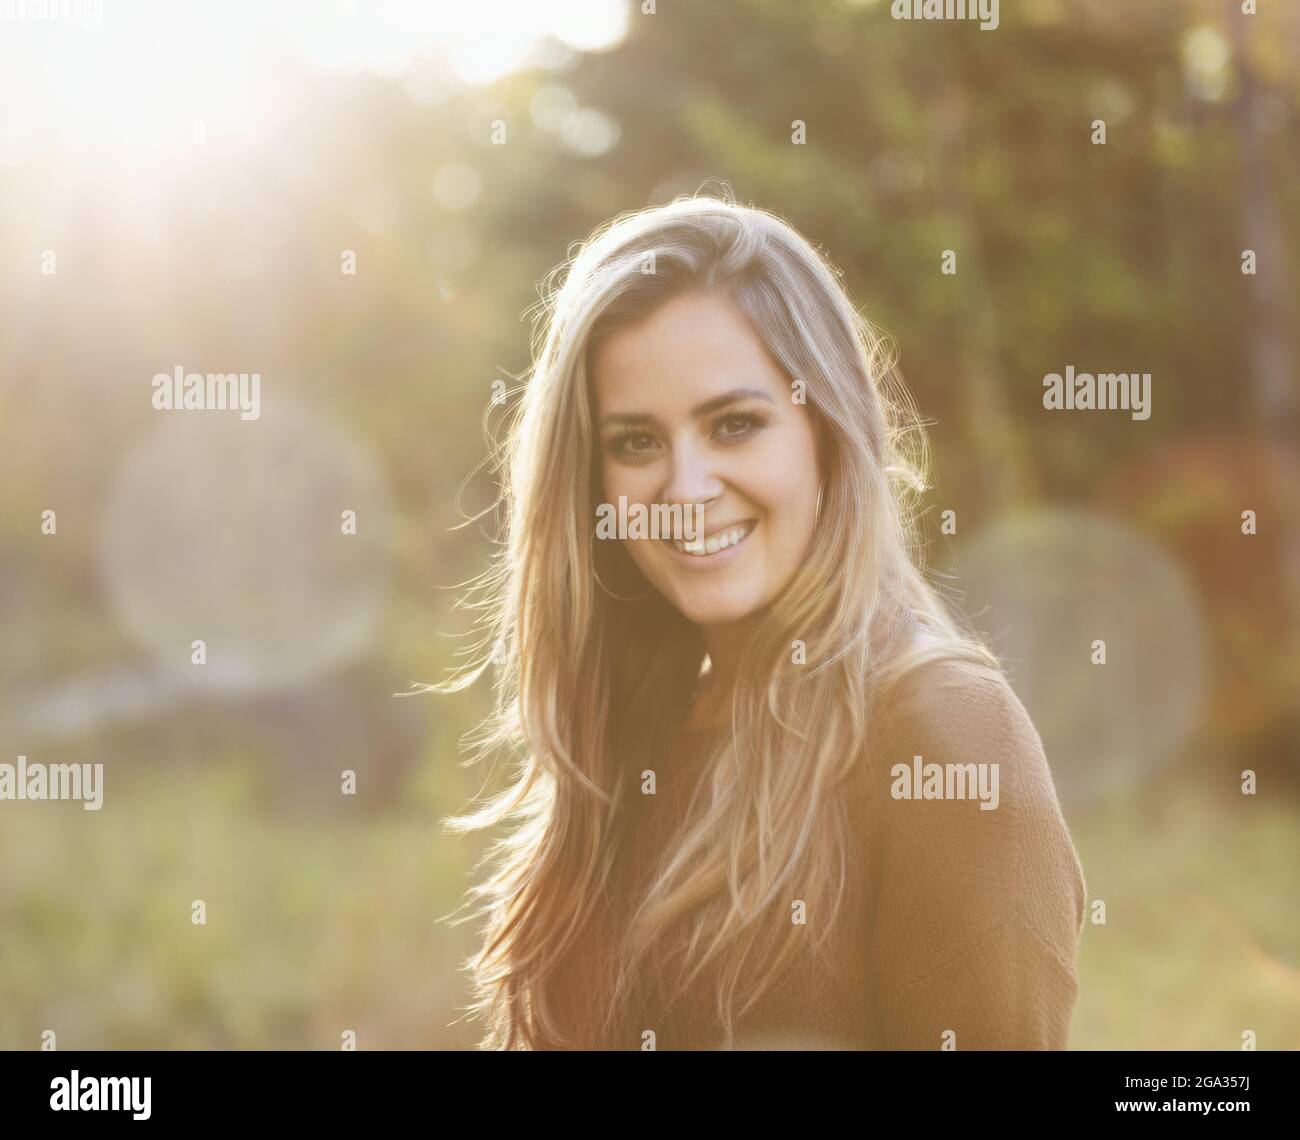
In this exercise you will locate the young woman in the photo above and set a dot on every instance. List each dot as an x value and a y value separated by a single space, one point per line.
768 793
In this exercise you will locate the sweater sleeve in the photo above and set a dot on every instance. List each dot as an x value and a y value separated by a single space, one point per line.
975 912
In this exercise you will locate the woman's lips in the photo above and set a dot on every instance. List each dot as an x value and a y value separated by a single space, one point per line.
721 546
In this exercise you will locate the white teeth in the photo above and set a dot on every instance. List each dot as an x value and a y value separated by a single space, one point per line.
715 543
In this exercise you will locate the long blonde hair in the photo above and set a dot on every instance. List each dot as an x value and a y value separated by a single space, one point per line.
588 687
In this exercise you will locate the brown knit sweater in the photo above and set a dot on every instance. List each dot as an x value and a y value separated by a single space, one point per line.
960 925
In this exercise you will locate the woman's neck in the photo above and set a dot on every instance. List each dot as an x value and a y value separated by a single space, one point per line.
711 703
726 646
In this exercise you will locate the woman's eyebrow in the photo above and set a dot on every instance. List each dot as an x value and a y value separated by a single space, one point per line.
713 405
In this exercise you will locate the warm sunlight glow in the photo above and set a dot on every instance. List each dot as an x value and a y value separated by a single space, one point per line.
135 77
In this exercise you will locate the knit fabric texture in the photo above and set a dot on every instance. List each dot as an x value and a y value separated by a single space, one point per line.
960 925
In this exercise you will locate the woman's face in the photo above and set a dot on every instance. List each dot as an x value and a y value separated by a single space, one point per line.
691 410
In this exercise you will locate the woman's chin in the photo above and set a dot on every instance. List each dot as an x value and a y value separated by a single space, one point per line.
706 611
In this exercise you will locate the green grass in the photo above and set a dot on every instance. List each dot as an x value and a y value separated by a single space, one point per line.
316 925
1202 940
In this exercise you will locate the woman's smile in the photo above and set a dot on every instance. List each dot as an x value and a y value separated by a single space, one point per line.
720 547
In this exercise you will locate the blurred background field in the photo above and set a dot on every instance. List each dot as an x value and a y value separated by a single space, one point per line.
199 170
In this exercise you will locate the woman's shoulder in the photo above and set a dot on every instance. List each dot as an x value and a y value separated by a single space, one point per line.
977 892
962 808
962 709
953 730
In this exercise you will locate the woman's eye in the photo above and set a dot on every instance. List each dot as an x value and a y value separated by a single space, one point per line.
735 425
631 444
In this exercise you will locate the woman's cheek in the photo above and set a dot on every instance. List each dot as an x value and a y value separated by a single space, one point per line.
623 481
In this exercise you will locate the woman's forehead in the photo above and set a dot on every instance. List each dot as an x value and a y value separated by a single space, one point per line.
691 349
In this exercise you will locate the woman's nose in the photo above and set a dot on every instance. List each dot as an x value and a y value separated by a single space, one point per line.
693 477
